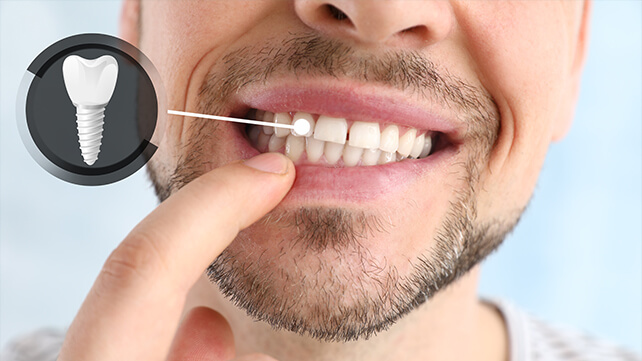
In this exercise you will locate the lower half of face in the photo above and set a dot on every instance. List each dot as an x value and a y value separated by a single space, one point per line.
360 240
394 197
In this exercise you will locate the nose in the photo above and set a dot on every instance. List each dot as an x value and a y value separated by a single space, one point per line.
415 23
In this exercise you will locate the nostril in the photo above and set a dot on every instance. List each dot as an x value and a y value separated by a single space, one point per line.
419 30
336 13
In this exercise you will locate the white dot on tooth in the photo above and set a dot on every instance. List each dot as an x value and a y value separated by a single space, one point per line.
301 127
305 116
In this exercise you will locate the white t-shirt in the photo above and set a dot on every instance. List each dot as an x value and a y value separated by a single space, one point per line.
529 340
533 340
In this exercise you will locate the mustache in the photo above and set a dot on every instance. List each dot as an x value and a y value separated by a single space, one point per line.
310 54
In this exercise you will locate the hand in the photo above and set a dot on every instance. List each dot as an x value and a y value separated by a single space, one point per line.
133 309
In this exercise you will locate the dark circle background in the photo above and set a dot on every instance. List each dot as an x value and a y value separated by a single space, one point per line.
130 115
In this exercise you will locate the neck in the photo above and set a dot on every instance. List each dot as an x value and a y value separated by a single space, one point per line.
453 325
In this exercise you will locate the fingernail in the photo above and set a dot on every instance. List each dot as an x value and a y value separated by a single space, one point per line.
269 163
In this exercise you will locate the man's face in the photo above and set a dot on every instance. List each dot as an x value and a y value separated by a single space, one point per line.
365 235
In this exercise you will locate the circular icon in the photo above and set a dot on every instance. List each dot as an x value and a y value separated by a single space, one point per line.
90 109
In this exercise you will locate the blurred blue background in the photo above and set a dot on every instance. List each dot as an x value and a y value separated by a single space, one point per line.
575 258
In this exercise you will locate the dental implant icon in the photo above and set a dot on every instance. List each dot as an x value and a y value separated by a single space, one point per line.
90 85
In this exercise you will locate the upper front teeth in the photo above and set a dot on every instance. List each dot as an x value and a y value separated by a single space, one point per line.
309 118
363 144
365 135
406 142
389 139
329 129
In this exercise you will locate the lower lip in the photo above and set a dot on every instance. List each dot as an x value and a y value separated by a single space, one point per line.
322 184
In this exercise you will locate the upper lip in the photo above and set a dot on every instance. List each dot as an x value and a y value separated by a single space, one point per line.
350 102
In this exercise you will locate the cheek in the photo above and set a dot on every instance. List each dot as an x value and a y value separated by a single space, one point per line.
521 50
177 36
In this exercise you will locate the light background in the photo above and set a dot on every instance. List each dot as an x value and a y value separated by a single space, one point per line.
574 259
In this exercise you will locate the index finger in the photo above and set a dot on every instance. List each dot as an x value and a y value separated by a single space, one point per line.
135 304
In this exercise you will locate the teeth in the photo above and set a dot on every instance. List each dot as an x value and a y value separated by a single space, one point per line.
294 147
309 118
364 135
389 139
370 156
351 155
418 146
406 142
331 129
363 145
333 152
253 134
314 149
427 147
263 141
268 117
282 118
387 157
275 143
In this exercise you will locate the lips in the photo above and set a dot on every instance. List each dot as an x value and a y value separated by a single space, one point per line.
357 104
350 165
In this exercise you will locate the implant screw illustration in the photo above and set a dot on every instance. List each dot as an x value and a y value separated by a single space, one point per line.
90 85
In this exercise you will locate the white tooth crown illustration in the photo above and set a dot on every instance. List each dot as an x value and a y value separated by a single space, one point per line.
90 85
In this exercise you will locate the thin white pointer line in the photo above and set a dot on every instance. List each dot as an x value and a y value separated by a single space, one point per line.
228 119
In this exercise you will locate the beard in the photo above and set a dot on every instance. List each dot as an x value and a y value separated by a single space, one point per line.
314 276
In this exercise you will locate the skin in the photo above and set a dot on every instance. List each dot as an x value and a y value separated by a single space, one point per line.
527 55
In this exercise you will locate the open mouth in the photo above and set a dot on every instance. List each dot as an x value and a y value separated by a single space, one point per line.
341 142
364 144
